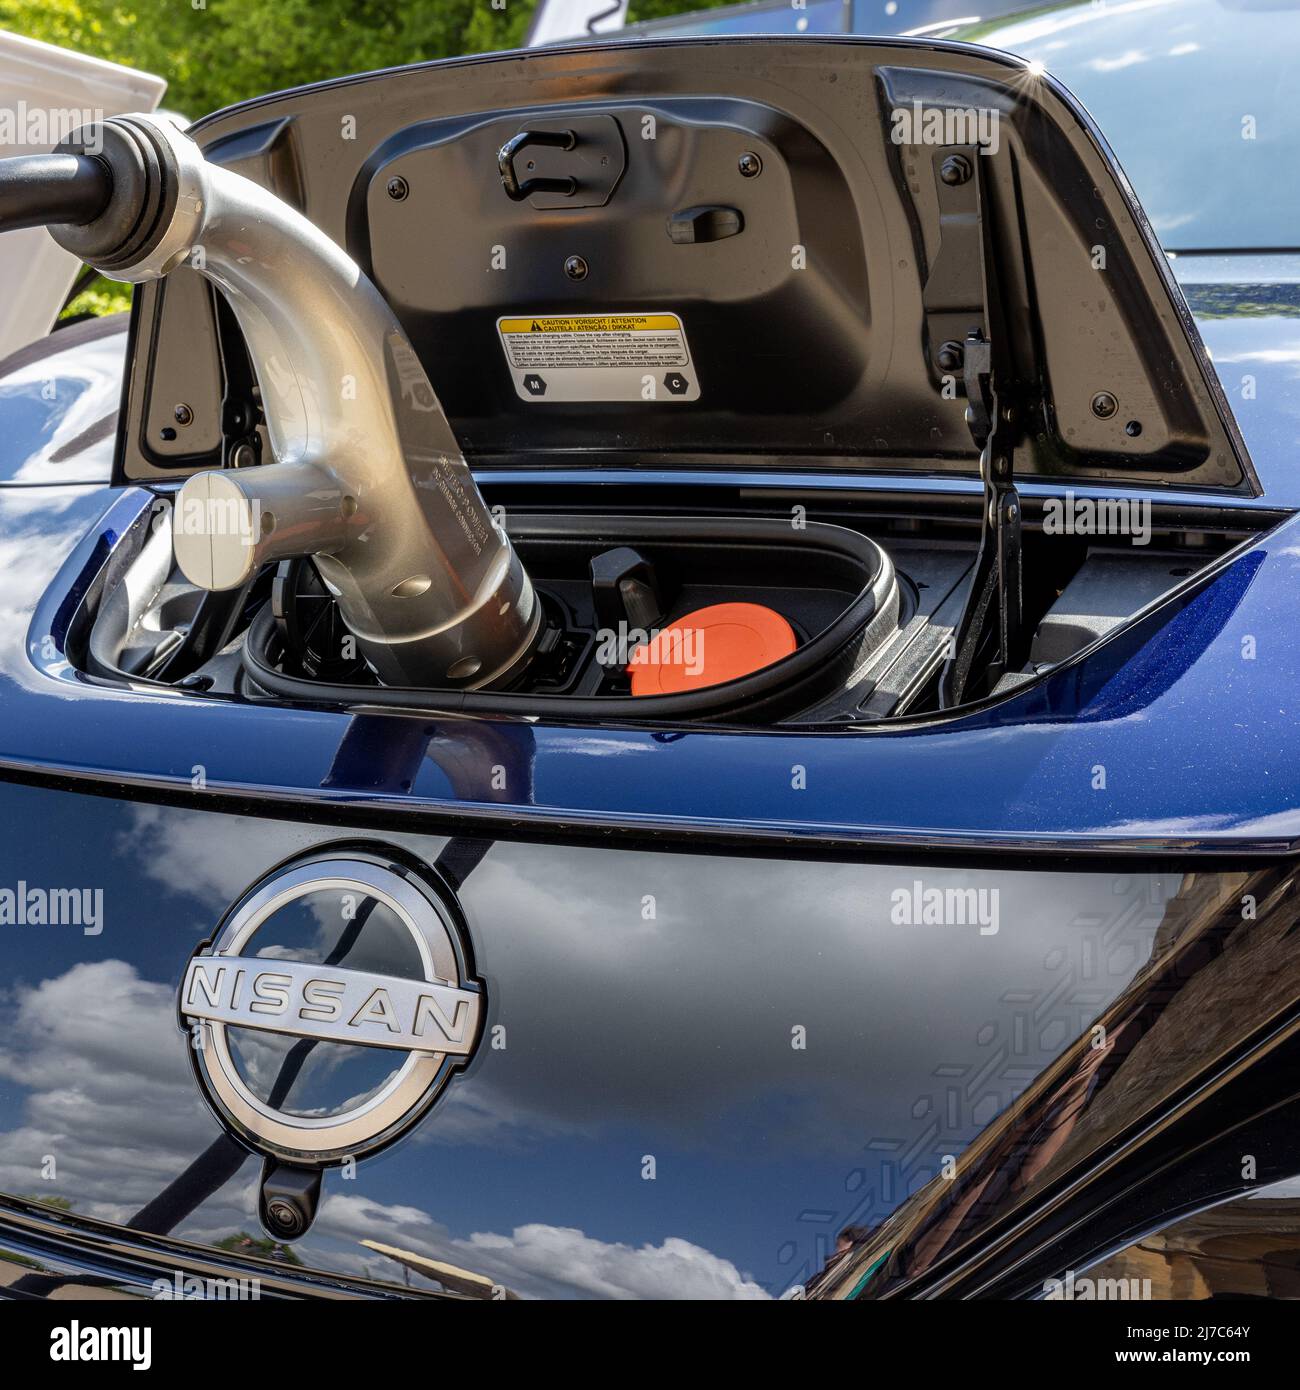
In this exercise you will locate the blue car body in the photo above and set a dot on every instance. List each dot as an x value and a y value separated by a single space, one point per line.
729 1044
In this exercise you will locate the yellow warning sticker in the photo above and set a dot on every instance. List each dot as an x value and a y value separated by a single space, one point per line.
599 357
602 323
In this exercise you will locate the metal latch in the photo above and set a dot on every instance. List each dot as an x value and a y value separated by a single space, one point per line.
556 162
553 139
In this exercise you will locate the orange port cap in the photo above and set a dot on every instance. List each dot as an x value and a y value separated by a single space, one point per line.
709 646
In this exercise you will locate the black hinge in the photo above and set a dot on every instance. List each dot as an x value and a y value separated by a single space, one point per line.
992 619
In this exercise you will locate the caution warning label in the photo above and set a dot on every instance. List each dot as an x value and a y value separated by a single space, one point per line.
599 357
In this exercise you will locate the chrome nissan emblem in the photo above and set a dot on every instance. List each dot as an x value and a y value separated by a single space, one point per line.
352 959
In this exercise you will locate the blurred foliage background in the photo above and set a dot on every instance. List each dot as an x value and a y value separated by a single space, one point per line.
101 296
215 52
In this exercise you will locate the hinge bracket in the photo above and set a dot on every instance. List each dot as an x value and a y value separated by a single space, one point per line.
991 621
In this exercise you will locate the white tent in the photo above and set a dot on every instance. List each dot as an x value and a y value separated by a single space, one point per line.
47 92
557 20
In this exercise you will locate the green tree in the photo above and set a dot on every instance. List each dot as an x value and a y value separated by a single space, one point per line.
215 52
244 1244
50 1200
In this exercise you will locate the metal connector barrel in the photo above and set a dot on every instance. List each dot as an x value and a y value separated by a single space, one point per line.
368 477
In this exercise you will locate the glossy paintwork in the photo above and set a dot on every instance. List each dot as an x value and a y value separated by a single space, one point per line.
45 1253
1248 310
1148 706
1247 1248
1195 100
650 1003
1181 1095
58 401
